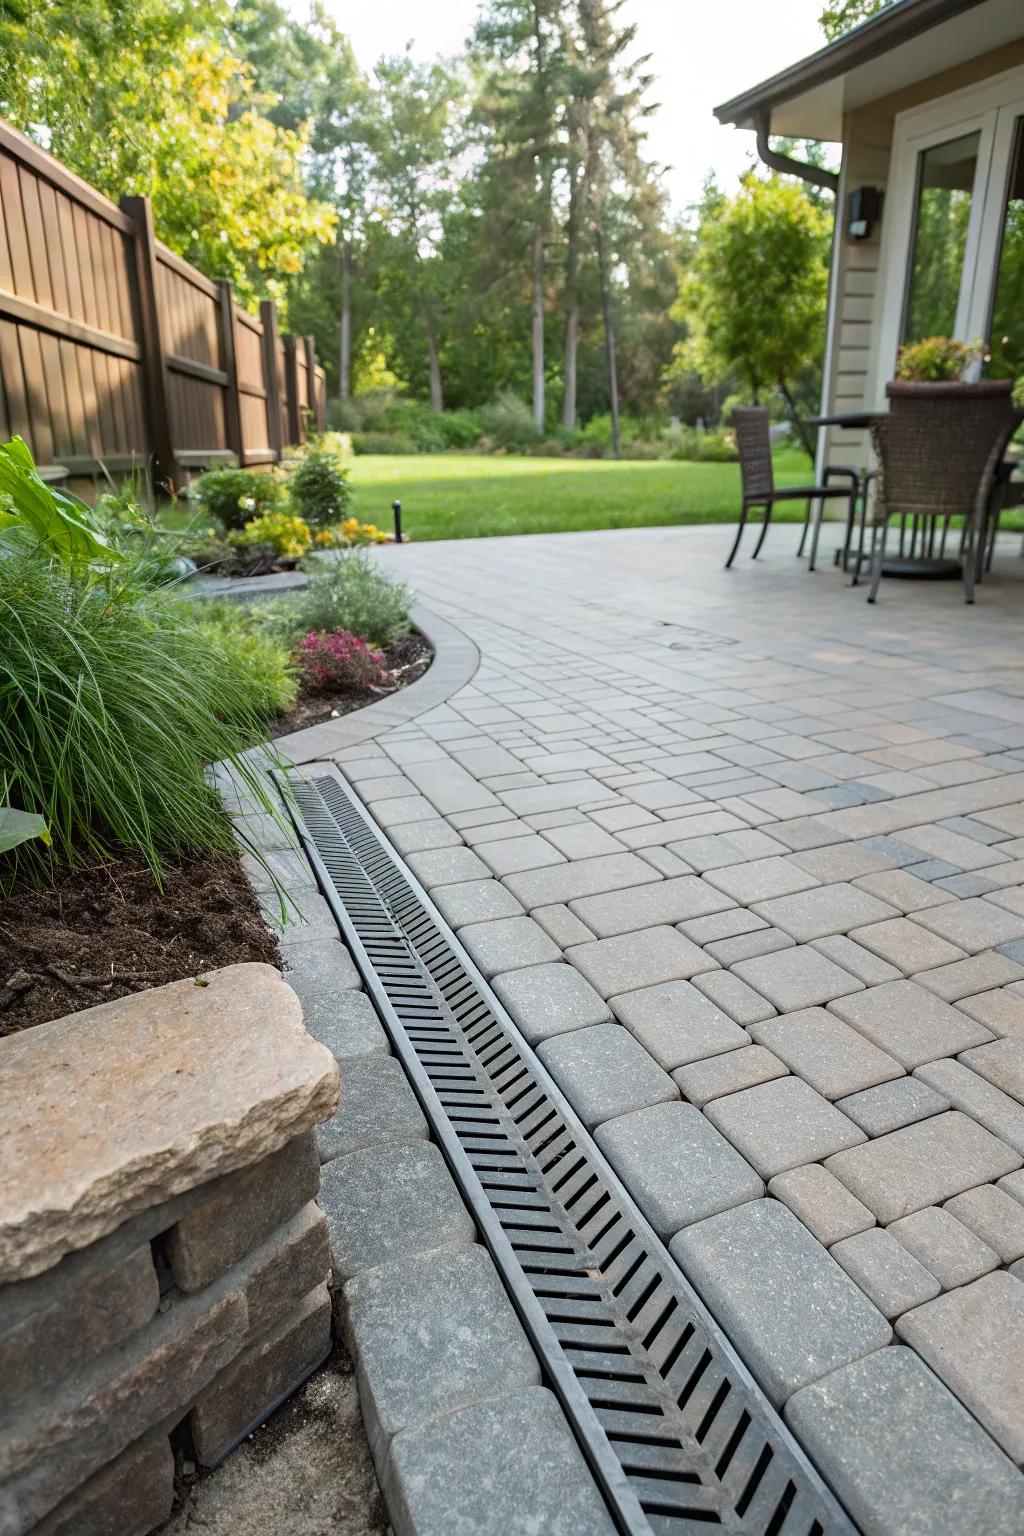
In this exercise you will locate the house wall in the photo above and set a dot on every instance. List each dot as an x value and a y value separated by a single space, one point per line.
868 137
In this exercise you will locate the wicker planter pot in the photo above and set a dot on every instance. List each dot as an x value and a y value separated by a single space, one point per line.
905 392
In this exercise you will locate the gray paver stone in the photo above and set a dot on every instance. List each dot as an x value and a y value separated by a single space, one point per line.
903 1455
550 999
327 960
787 1306
975 974
668 901
732 1071
797 978
475 901
345 1021
387 1201
1013 1184
760 879
892 1105
306 917
677 1167
909 1022
906 945
886 1272
782 1124
922 1164
1001 1063
825 1052
560 924
945 1246
633 960
583 877
964 1089
974 924
432 1333
830 909
825 1206
417 836
507 944
993 1215
505 1467
734 996
746 946
377 1106
604 1072
677 1024
508 855
973 1338
860 962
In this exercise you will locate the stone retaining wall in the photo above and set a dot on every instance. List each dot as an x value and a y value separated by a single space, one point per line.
164 1265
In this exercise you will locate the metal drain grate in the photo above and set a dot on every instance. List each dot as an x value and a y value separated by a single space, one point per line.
677 1435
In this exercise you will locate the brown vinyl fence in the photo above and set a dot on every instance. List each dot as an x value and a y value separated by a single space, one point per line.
115 354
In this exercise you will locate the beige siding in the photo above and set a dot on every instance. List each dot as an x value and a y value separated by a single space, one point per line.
868 136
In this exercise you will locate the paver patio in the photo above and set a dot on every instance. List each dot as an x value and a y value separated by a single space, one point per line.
779 837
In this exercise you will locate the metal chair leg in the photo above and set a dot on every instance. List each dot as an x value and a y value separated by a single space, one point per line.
764 528
803 531
879 556
739 535
970 563
812 563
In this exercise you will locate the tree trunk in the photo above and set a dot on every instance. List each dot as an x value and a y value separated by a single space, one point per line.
609 338
797 420
433 362
345 331
537 334
572 299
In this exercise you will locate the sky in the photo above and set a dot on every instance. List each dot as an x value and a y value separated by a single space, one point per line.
704 52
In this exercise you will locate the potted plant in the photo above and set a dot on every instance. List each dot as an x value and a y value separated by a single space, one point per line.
936 369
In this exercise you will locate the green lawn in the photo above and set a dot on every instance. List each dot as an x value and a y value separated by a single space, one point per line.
465 496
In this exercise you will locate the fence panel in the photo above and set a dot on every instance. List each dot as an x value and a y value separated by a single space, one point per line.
116 354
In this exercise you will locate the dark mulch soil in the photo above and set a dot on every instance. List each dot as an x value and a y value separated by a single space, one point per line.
406 660
107 931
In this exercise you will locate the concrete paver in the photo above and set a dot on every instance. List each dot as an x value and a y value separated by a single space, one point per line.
807 759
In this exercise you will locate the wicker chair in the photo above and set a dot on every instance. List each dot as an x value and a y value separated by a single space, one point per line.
938 460
753 441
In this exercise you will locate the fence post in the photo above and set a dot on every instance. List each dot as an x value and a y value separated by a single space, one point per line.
268 317
291 365
154 366
314 410
229 363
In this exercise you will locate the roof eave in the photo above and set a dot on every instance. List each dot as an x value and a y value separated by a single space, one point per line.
899 23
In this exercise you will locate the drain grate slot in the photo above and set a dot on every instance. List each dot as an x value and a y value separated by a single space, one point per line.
677 1435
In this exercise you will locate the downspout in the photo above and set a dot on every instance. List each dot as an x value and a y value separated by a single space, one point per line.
815 174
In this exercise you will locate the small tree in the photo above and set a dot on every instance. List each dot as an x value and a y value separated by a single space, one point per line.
755 293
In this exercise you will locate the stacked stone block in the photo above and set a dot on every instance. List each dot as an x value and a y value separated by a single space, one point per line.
189 1316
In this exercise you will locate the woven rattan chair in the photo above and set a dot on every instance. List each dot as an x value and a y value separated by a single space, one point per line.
753 440
938 457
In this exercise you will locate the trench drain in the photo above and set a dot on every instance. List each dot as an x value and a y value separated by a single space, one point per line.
677 1435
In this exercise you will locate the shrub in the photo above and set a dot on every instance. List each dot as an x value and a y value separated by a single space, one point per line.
112 703
349 534
339 660
508 421
234 629
233 496
936 360
382 442
350 593
283 532
318 487
711 447
460 429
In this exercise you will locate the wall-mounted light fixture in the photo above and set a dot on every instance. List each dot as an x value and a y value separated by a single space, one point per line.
863 210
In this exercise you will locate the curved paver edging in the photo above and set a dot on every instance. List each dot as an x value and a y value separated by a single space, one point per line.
455 662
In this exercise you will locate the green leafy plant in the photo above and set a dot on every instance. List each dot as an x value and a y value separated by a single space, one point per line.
383 442
32 511
112 703
318 487
235 629
282 531
508 421
350 593
18 827
235 496
936 359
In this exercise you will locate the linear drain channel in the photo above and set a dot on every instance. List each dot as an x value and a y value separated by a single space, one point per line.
676 1433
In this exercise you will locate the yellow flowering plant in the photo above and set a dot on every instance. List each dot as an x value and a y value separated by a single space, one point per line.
289 535
348 534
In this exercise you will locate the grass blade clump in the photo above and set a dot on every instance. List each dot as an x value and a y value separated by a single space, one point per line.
350 593
235 628
112 702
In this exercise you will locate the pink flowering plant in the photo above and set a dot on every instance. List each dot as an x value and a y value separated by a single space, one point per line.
338 660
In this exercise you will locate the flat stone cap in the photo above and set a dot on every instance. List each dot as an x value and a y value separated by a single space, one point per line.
110 1111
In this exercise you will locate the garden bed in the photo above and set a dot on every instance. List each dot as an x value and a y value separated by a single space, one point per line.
406 660
108 930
